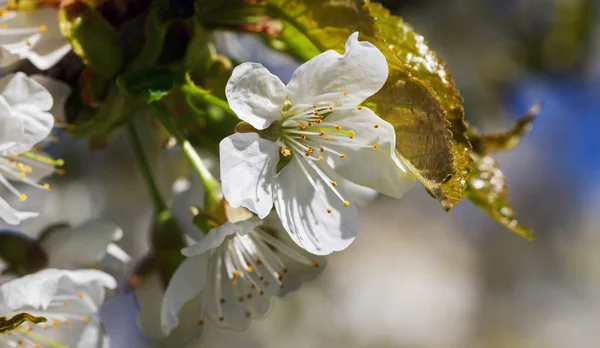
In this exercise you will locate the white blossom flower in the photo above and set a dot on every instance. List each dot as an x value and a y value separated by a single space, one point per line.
31 34
316 127
24 121
68 299
88 245
233 273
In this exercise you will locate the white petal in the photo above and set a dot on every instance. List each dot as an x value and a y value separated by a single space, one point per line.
13 216
60 92
85 245
186 283
380 169
37 290
248 166
217 235
150 295
24 37
20 89
361 72
255 94
303 210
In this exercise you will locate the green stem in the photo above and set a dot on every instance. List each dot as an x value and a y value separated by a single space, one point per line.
212 187
138 149
192 90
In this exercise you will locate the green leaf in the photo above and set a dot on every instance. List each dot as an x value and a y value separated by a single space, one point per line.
412 51
92 38
487 189
156 31
506 140
152 84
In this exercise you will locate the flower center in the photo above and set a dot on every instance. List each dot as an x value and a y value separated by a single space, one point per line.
252 265
307 133
29 168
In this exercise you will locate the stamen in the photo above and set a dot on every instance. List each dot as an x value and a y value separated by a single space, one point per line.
375 125
344 93
359 107
342 155
329 211
346 204
22 197
374 146
334 183
43 28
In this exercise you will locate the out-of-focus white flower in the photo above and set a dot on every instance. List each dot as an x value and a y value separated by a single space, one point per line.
68 299
324 137
31 34
88 245
24 122
232 274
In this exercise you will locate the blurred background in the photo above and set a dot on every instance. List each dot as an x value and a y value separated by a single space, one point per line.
416 276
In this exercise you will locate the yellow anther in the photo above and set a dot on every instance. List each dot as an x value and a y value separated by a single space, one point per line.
318 121
321 133
346 204
20 166
351 134
334 183
310 124
342 155
66 303
4 26
22 175
320 158
249 269
28 169
302 136
328 138
234 281
28 43
375 125
329 211
307 154
38 149
12 4
375 146
314 106
330 107
359 107
61 172
344 93
22 197
236 273
338 127
286 152
66 321
3 13
322 149
55 323
47 186
43 28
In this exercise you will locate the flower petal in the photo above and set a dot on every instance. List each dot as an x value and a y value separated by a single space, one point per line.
360 73
186 283
217 235
59 91
313 215
20 89
375 165
13 216
248 166
150 294
85 245
37 290
255 95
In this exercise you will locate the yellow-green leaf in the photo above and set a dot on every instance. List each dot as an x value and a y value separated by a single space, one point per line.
506 140
10 324
487 189
412 51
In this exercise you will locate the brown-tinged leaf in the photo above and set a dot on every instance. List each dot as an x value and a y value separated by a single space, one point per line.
412 50
487 189
506 140
10 324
